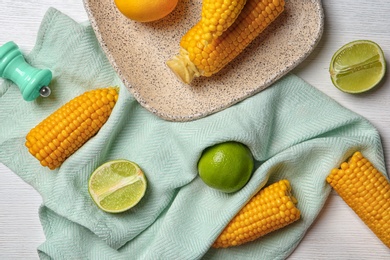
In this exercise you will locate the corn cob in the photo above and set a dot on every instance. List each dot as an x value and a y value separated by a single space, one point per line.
203 55
67 129
217 17
366 191
270 209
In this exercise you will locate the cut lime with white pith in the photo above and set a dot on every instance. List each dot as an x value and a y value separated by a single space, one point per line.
117 185
357 66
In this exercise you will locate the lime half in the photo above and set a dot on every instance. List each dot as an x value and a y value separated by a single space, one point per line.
117 185
357 66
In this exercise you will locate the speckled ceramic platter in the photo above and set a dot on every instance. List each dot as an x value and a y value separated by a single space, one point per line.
138 52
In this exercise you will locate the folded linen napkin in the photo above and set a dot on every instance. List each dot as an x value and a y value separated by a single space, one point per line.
293 130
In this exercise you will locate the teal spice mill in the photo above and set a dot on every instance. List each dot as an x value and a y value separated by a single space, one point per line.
32 82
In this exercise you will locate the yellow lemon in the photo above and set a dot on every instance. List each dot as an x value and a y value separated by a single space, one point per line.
145 11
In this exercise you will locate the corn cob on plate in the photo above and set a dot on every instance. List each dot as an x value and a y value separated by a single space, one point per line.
139 53
204 51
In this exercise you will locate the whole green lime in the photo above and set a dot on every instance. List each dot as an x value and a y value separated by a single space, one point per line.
226 166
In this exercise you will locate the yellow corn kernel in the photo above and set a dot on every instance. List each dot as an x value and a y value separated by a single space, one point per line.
366 191
67 129
204 55
270 209
217 16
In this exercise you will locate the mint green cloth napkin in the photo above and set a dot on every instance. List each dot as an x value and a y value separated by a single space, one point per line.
293 130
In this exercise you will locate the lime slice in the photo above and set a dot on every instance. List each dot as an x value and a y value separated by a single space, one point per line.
357 66
117 185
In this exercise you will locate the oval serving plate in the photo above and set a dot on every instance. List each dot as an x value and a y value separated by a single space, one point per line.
138 52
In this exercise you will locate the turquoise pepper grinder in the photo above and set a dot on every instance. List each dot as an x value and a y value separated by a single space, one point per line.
31 81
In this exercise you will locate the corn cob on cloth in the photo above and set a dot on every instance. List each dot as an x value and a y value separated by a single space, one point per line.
293 130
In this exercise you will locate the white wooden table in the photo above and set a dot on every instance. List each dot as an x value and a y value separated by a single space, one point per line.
337 233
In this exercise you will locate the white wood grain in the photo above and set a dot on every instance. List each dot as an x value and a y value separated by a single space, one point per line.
337 233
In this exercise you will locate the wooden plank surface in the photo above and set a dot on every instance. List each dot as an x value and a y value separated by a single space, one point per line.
337 233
